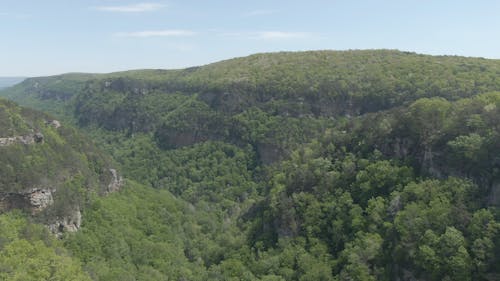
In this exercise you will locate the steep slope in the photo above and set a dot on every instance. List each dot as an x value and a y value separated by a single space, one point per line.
410 193
28 252
51 179
48 169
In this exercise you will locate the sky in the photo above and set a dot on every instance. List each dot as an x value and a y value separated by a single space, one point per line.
49 37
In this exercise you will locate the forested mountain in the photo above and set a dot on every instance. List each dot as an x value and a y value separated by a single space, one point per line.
324 165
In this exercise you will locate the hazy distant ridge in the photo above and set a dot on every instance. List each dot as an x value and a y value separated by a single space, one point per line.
10 81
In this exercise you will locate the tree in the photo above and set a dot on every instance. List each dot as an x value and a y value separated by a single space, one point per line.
25 261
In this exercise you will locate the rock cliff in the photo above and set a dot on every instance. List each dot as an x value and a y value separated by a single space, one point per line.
47 169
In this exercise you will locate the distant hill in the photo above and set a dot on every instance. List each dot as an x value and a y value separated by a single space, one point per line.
319 83
218 101
10 81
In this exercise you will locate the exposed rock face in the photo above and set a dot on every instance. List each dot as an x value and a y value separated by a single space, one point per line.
39 198
8 141
69 223
72 220
34 200
28 139
53 123
116 182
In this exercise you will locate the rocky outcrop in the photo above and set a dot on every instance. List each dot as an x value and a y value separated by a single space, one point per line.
48 173
53 123
72 220
33 200
39 198
116 182
28 139
69 223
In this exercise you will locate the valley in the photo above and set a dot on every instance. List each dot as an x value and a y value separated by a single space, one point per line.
317 165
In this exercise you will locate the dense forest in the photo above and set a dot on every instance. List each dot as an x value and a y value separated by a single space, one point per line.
324 165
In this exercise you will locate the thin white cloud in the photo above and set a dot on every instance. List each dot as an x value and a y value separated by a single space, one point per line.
157 33
132 8
259 13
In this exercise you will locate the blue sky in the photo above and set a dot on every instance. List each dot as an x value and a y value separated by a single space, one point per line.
55 36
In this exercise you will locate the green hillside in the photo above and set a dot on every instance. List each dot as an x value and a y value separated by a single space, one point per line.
324 165
322 83
48 168
48 175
